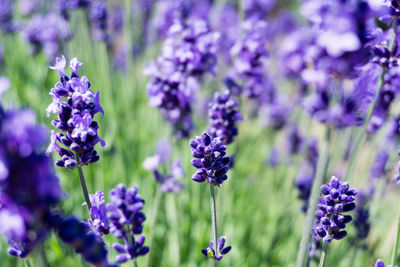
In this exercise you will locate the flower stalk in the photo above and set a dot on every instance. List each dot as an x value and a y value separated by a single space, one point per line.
214 219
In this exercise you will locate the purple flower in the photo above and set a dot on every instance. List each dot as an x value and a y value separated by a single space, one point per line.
98 16
380 263
46 33
188 54
295 140
75 117
361 219
249 55
220 251
78 235
126 222
209 158
23 209
223 115
98 213
329 222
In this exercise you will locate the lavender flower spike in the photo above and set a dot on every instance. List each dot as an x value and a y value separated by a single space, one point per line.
126 219
221 249
98 212
76 106
209 158
330 222
223 115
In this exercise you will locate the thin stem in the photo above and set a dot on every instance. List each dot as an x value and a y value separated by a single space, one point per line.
135 264
27 263
213 219
154 213
362 132
396 244
323 255
83 183
42 255
313 201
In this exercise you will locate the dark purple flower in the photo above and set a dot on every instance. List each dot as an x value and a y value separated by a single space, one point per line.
329 221
210 160
223 115
98 17
295 140
78 235
126 219
23 209
76 106
220 251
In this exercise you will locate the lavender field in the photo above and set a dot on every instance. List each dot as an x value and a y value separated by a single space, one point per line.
199 133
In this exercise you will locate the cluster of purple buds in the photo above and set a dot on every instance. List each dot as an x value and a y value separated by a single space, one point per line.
75 117
223 115
330 223
78 235
47 32
23 209
249 55
188 53
221 249
167 182
384 57
126 222
209 158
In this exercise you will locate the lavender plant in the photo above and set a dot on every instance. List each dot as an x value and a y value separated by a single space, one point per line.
209 158
76 106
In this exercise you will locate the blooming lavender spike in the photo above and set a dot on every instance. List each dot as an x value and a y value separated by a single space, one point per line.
188 54
126 222
221 249
380 263
210 160
23 209
78 129
250 54
223 115
330 223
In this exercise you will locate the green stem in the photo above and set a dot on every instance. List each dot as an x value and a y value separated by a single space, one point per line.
135 264
27 263
362 132
83 183
313 201
396 244
154 213
42 256
323 255
213 219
